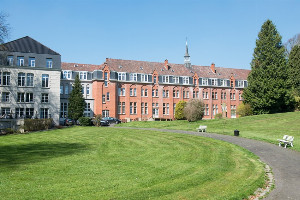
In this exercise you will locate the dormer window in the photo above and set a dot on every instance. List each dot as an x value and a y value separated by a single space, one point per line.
205 81
10 60
185 80
67 74
240 83
176 79
133 76
121 76
49 62
20 60
223 82
214 82
165 79
31 62
83 75
144 78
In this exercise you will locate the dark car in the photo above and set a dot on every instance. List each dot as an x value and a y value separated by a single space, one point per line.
104 122
69 122
111 120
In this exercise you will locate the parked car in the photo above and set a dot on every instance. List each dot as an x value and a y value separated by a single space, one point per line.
69 122
104 122
112 120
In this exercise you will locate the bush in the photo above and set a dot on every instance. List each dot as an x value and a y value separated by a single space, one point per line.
244 110
194 110
9 131
179 110
85 121
218 116
37 124
97 119
297 103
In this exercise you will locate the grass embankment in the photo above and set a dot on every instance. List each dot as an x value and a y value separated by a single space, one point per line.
269 127
106 163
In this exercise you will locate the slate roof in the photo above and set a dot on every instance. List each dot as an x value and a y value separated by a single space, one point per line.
27 45
80 67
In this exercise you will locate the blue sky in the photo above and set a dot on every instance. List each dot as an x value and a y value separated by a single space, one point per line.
219 31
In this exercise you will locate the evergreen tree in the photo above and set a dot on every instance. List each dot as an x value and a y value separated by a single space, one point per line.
76 101
294 69
268 90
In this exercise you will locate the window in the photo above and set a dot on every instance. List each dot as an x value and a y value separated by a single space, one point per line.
205 81
61 89
176 93
63 110
67 74
144 78
87 90
214 82
103 98
121 91
29 98
166 93
185 80
232 96
231 83
105 113
174 107
0 77
133 77
5 111
223 95
165 79
6 78
214 95
29 112
240 83
21 97
45 80
19 112
20 60
144 108
87 110
205 95
186 94
176 79
155 79
107 96
132 91
105 76
105 83
10 60
240 97
49 62
45 98
165 109
206 110
132 107
215 109
223 82
5 97
66 89
31 62
146 93
30 80
44 113
121 76
82 75
155 93
121 108
21 79
82 89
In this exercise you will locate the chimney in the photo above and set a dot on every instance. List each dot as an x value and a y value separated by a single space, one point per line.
212 67
167 64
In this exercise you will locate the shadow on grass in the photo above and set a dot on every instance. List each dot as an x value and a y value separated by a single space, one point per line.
12 156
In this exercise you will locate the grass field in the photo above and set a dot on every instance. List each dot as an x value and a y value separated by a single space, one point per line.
268 128
107 163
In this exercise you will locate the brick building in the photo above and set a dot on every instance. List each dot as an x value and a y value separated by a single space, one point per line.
139 90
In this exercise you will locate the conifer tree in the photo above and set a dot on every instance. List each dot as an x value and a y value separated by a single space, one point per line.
268 90
294 69
76 101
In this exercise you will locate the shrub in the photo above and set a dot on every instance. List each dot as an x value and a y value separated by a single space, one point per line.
37 124
179 110
244 110
85 121
297 103
97 119
194 110
218 116
9 131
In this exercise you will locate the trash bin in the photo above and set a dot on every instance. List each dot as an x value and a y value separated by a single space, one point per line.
236 132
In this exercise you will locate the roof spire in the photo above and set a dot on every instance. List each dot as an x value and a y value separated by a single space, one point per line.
187 61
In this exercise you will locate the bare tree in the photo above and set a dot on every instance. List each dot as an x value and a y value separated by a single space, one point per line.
291 43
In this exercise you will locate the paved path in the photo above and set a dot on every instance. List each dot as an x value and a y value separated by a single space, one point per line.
285 163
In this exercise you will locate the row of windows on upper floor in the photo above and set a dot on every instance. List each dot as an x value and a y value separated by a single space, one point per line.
7 112
164 79
31 61
23 97
24 79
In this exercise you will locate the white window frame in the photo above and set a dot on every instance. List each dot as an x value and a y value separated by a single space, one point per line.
121 76
176 79
214 81
185 80
133 77
204 81
166 79
240 83
83 75
49 63
67 74
223 82
144 77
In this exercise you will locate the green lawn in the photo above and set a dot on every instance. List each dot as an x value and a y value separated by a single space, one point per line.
107 163
268 128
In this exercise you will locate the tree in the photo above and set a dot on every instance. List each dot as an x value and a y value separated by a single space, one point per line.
244 110
289 45
179 110
76 101
294 70
194 110
268 90
4 28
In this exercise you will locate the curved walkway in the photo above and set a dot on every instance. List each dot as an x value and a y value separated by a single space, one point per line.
285 163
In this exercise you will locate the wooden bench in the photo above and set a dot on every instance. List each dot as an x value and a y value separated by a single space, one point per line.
202 128
286 140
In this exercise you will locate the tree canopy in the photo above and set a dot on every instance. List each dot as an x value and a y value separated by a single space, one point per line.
76 101
4 28
294 69
268 89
